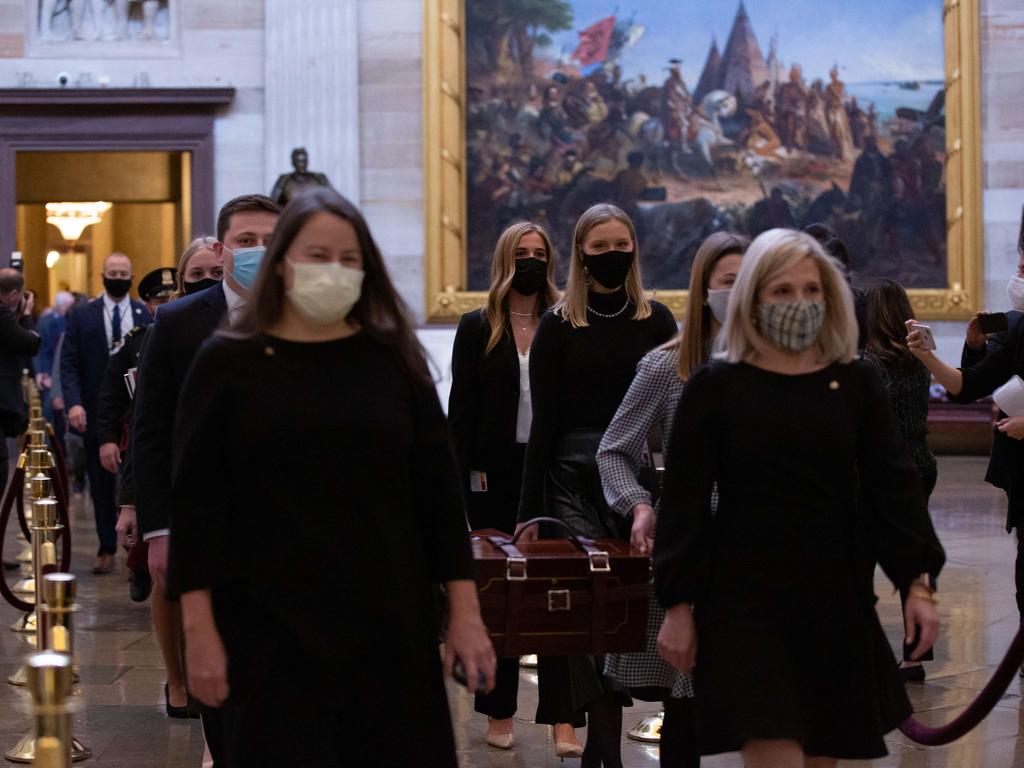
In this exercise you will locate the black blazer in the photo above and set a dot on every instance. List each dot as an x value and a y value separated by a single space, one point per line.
1002 444
18 343
181 328
981 379
84 355
484 399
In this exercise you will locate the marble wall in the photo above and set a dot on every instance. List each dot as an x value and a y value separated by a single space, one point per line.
221 44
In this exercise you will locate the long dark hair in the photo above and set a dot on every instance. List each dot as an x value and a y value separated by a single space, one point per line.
380 311
888 309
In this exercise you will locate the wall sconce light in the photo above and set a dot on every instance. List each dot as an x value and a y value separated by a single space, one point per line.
72 218
52 258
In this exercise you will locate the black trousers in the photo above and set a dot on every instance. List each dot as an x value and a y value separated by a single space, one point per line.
497 509
502 702
103 490
1018 574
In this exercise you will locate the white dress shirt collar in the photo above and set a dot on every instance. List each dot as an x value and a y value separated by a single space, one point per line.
236 302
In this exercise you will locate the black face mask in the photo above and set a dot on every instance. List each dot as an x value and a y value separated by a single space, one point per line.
530 275
609 268
200 285
117 288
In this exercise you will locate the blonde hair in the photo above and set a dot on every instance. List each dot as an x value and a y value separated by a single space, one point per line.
771 254
200 243
696 330
572 306
503 269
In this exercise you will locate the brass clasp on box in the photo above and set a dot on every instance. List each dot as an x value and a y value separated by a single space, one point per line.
600 562
559 600
515 569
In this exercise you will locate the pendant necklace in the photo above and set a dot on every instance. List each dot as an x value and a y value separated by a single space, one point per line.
522 314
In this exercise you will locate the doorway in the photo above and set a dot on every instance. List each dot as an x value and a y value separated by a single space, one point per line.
148 216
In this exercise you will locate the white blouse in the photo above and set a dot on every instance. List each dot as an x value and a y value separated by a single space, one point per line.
524 416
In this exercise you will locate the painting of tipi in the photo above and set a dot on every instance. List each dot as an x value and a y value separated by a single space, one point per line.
696 117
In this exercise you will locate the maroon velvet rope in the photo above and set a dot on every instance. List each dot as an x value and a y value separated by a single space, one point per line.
977 710
17 478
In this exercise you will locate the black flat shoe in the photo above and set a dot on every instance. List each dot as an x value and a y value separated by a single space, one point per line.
912 674
182 713
141 586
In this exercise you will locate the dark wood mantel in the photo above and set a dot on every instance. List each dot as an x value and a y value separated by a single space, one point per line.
109 119
183 98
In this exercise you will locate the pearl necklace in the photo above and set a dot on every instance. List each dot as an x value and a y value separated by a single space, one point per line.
613 314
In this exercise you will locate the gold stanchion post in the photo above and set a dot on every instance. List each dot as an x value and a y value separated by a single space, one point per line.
45 527
50 683
647 730
56 636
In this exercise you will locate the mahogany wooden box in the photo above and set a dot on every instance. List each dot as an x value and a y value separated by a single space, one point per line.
553 596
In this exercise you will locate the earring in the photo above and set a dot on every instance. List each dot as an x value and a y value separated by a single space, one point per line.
586 276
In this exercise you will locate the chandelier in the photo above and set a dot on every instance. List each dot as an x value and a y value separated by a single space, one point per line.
72 218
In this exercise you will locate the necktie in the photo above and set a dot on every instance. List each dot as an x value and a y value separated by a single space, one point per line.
115 326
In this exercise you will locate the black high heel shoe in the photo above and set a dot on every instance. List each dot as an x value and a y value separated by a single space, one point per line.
182 713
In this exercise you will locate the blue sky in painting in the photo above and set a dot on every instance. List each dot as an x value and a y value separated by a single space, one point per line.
870 40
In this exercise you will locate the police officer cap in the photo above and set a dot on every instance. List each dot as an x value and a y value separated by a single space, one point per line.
158 284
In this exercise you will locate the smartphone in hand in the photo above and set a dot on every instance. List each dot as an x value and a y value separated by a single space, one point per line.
993 323
927 339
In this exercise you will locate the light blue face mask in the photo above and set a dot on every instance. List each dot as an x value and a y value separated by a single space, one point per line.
247 264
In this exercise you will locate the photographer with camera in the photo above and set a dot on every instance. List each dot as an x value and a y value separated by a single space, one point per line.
18 343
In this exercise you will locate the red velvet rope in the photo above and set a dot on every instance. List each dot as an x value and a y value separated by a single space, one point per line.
19 508
16 481
977 710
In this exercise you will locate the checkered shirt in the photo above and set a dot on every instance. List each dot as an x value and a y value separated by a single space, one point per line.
651 401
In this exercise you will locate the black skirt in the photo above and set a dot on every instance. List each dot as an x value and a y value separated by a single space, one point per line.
573 494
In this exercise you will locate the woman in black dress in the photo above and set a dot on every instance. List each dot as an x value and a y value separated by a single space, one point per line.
489 411
314 424
770 600
907 383
583 360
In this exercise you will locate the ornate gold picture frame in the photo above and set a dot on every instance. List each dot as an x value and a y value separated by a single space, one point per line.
445 165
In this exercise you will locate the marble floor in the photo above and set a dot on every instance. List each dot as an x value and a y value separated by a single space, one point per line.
122 680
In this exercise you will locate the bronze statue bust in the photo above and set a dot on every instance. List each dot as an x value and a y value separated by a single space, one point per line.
288 185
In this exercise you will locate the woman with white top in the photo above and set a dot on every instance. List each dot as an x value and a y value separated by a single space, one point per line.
490 414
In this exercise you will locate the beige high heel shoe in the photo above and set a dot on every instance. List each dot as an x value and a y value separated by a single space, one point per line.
500 740
564 749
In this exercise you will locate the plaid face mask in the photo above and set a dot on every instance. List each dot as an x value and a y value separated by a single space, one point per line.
792 325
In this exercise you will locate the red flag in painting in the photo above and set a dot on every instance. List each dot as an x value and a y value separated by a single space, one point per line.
594 42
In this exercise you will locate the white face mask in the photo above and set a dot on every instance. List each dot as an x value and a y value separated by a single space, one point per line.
324 293
718 300
1015 291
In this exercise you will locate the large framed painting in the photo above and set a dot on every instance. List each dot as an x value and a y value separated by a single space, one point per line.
695 117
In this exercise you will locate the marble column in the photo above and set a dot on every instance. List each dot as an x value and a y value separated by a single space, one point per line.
312 89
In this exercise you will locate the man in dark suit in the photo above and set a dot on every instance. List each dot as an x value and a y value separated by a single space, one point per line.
243 227
94 331
18 343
